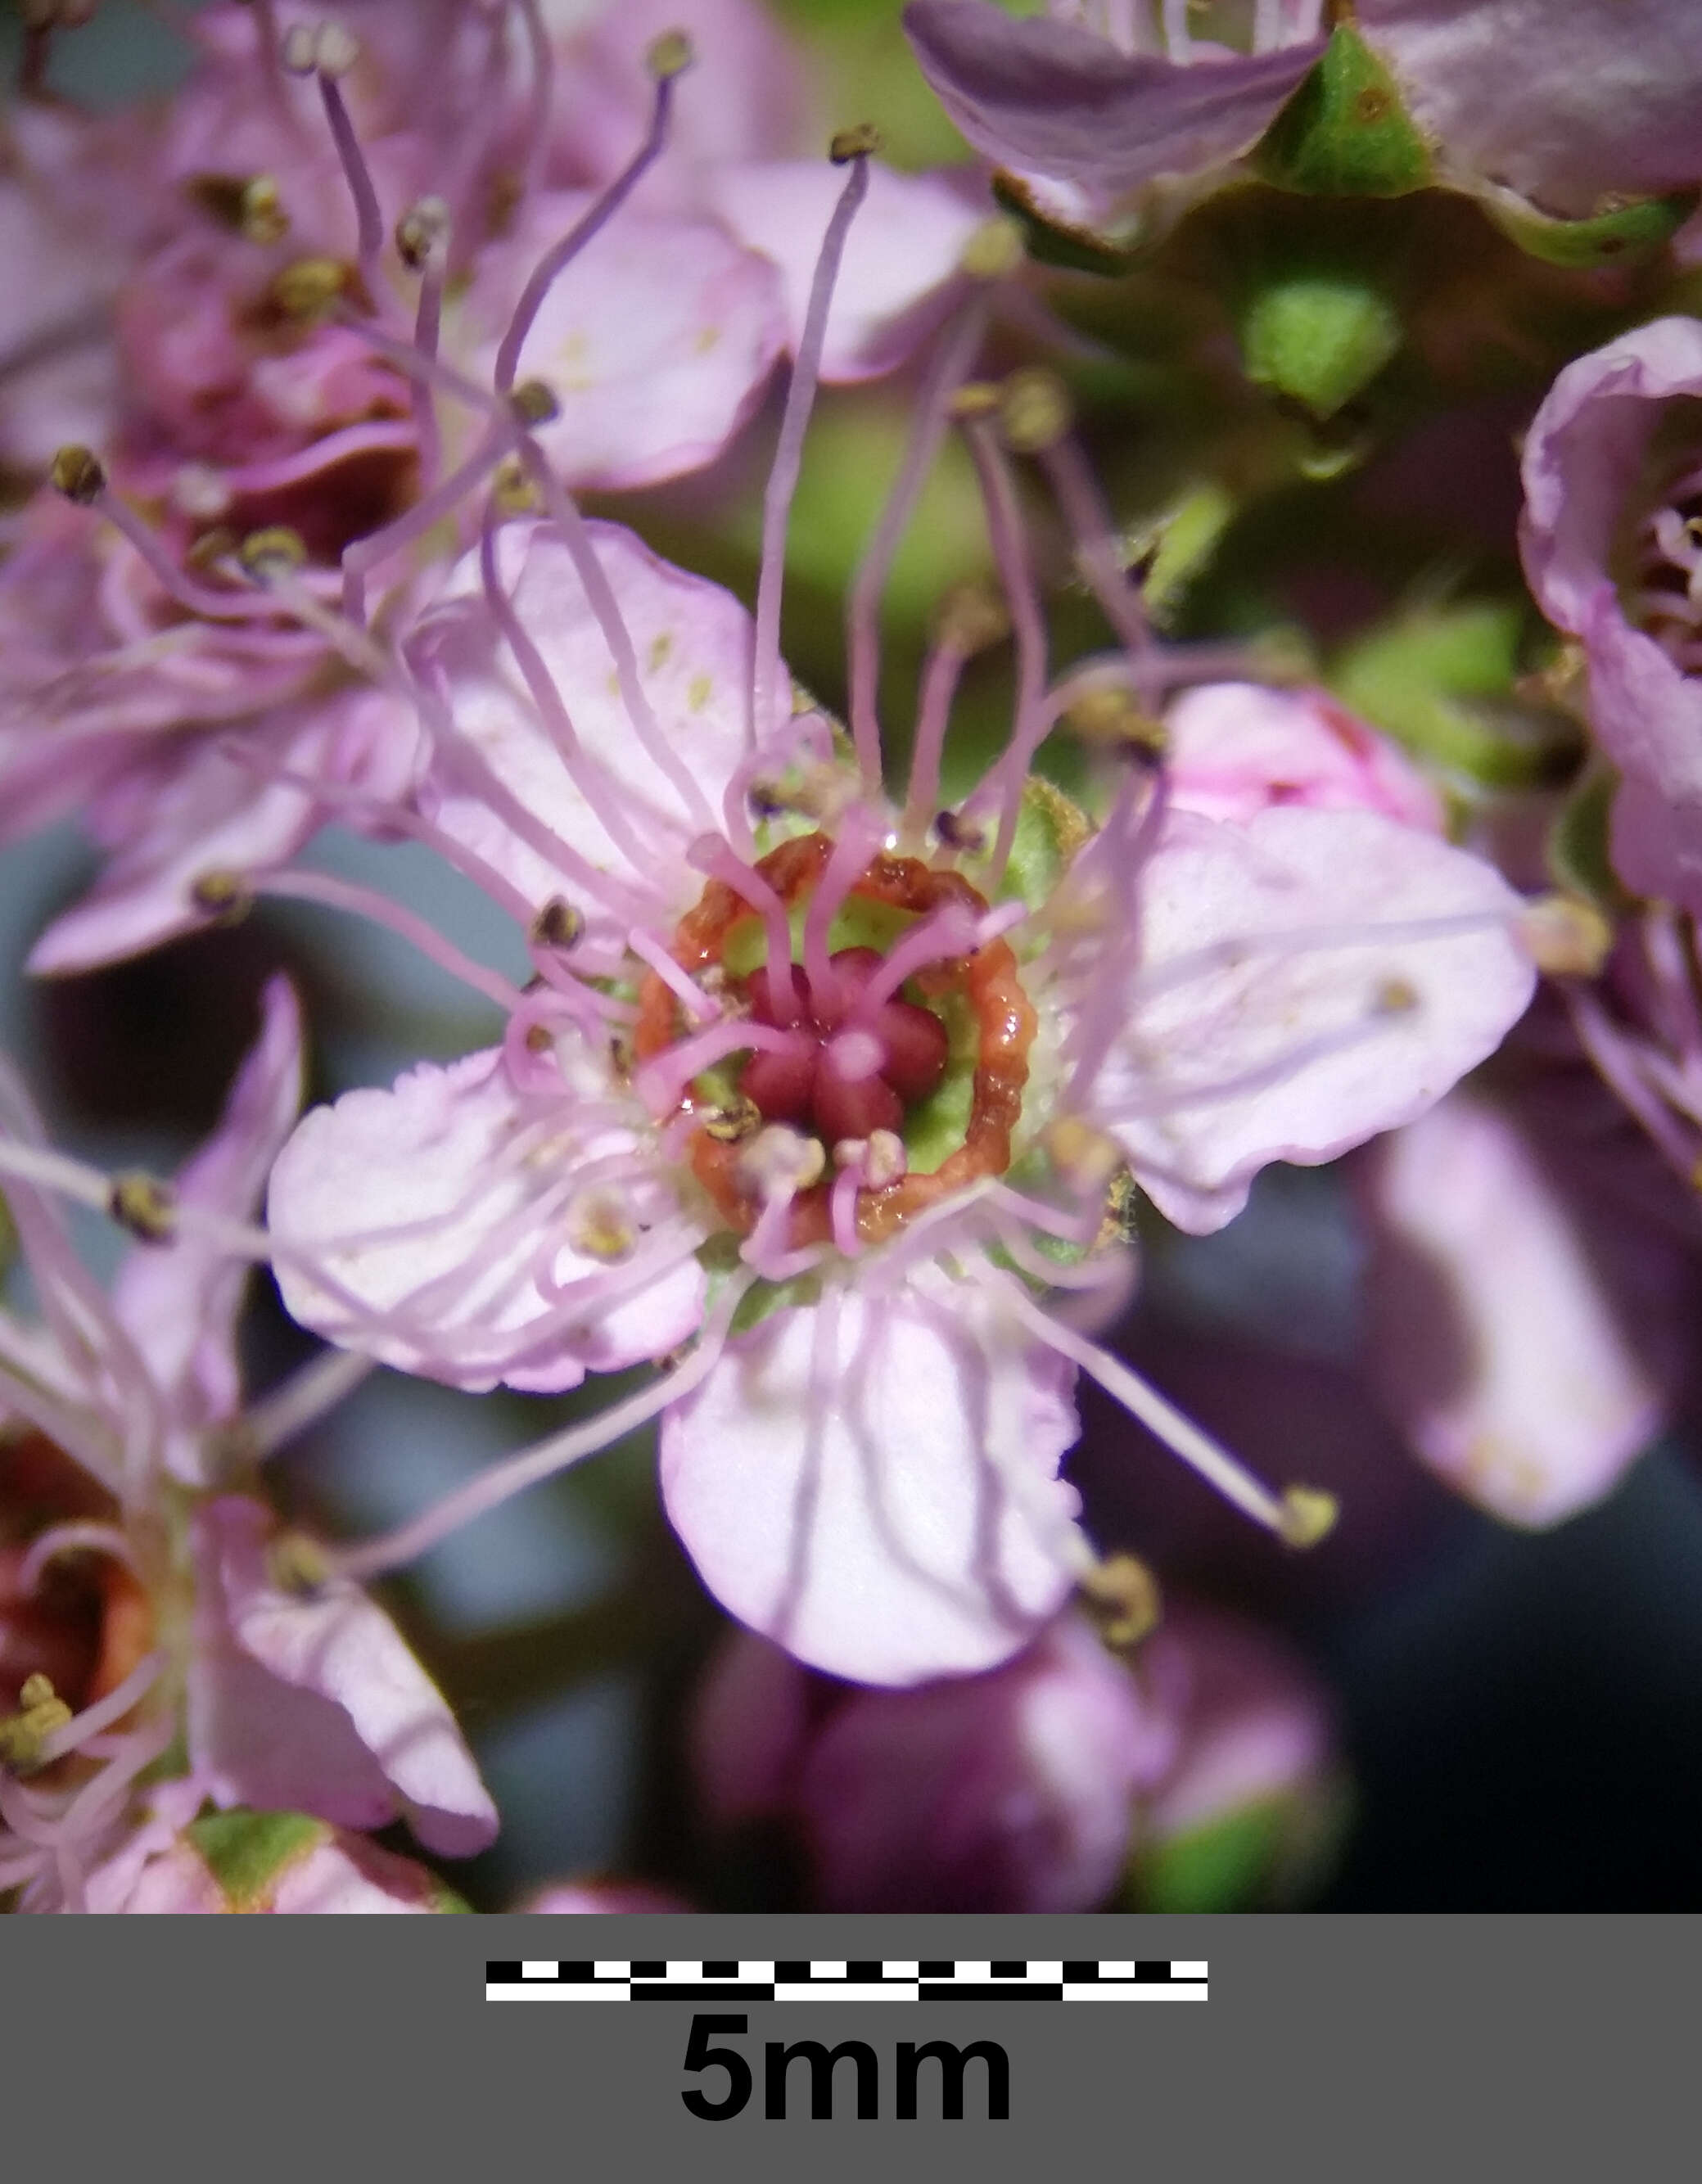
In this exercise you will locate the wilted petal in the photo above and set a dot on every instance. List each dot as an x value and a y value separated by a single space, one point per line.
870 1482
311 1701
1242 1047
1054 97
901 257
465 1194
1528 1336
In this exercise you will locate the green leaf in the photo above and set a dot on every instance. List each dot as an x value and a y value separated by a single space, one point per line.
247 1851
1345 132
1628 230
1319 335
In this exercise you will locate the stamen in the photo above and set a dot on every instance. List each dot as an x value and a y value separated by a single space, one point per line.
860 837
710 854
852 147
422 242
666 66
701 1007
301 1401
971 620
81 477
952 357
361 555
79 1538
1301 1517
500 1482
335 51
586 775
662 1082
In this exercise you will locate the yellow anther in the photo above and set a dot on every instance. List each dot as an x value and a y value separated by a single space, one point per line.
144 1206
306 289
885 1161
669 55
858 143
534 401
512 490
212 546
1033 410
1123 1598
260 213
79 474
423 229
1566 936
557 924
600 1224
733 1121
297 1564
318 49
226 894
276 551
22 1734
1308 1515
1084 1157
994 250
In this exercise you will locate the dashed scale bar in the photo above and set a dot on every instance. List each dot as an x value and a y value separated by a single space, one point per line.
943 1979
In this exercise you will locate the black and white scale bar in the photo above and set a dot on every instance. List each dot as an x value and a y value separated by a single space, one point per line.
943 1979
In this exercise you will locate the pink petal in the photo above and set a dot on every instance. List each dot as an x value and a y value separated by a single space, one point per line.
1527 1335
1054 97
1236 747
897 276
693 643
435 1159
1354 1034
657 341
857 1509
312 1703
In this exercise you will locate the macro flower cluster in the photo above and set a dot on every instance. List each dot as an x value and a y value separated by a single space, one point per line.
993 697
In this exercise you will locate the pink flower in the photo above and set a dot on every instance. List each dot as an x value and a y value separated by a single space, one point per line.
1236 749
290 1689
853 1179
1613 477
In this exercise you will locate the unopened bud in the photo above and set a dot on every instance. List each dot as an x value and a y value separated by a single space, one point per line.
858 143
423 229
994 250
274 552
534 401
669 55
144 1206
1308 1515
1565 936
307 289
557 924
1123 1596
79 474
1034 410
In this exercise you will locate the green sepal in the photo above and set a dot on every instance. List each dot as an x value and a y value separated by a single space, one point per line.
1345 132
444 1898
1578 852
1628 230
1222 1866
1187 537
1071 249
1051 828
763 1297
246 1852
1319 334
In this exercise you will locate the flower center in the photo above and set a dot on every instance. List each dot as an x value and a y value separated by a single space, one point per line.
849 1052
